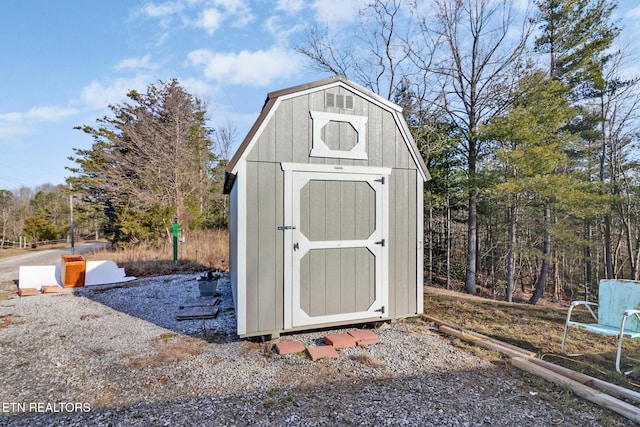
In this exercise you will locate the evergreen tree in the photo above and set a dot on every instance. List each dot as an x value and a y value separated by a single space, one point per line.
150 162
574 34
532 154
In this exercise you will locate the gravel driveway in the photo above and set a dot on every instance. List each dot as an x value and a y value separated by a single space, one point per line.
116 356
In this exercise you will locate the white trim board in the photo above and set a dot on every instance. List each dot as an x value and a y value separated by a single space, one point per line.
296 176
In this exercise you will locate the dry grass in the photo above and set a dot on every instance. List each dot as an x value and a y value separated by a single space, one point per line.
368 360
170 348
202 250
538 329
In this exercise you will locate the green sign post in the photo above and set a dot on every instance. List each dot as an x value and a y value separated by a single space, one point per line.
175 240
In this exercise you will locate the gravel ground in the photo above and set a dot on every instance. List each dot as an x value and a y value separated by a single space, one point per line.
116 356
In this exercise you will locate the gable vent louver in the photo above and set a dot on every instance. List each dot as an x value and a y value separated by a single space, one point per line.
339 101
331 101
348 102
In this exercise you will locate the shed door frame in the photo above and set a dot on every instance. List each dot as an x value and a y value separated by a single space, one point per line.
295 176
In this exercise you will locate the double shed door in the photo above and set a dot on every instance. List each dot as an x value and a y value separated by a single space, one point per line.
336 243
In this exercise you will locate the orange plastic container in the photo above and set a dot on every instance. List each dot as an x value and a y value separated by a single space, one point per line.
73 270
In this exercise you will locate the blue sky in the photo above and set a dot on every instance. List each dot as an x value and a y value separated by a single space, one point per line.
64 62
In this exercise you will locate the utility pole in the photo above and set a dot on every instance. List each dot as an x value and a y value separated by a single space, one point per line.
71 230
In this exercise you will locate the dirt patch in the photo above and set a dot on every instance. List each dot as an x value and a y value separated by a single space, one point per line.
170 348
7 290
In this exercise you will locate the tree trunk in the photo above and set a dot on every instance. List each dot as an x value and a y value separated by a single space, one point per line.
588 264
511 254
470 280
636 276
546 256
608 252
448 233
630 250
430 246
472 222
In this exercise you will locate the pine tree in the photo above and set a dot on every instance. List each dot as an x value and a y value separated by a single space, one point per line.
575 35
150 162
533 150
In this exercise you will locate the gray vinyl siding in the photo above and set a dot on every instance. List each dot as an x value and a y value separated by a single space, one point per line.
287 137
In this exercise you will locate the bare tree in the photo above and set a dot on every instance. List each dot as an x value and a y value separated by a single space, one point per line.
223 139
7 206
480 59
616 104
378 57
324 53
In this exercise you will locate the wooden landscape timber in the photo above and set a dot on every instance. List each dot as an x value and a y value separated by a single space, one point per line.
616 405
582 385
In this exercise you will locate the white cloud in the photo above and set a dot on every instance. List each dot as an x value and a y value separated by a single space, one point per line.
235 11
634 13
281 30
136 63
209 20
239 11
257 68
48 114
337 12
162 10
16 123
97 95
197 87
208 15
290 6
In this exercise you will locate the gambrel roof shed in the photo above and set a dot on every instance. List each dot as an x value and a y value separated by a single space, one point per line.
326 202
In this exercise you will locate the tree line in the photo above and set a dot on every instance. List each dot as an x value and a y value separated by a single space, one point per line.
527 121
33 215
153 160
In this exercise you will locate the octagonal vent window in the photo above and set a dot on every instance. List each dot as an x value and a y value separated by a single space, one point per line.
339 136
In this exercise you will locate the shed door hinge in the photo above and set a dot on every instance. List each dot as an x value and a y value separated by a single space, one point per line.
380 310
380 242
381 180
286 227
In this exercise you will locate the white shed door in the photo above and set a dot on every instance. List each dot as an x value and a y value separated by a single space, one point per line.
336 244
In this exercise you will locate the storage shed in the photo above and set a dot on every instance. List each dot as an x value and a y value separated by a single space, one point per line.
326 212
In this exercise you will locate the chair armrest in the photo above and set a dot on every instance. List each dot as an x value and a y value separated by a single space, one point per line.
630 312
576 303
588 304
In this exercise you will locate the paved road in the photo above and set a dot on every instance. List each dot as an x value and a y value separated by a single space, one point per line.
10 267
